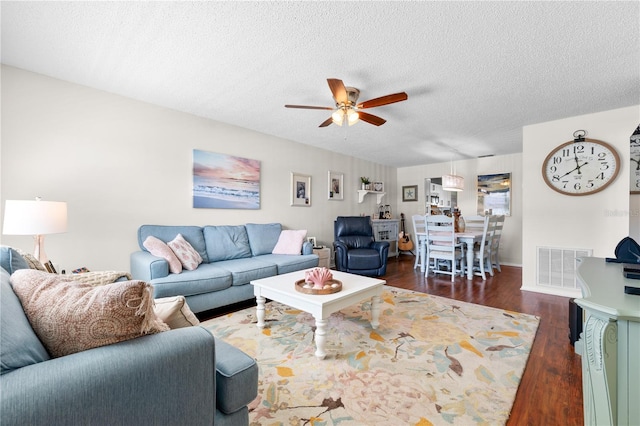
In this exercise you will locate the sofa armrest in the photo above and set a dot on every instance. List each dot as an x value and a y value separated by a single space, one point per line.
340 249
164 378
382 247
146 267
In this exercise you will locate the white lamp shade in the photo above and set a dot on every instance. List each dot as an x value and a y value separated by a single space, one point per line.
31 217
452 183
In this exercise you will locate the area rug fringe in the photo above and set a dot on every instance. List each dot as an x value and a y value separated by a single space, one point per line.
432 361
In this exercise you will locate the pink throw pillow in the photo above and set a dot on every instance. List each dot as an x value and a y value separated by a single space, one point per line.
158 248
290 242
185 253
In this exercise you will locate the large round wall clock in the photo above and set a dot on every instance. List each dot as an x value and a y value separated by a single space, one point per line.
581 167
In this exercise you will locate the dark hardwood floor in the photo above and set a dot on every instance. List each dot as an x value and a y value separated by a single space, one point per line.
550 392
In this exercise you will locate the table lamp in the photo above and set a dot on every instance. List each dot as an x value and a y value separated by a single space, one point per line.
37 218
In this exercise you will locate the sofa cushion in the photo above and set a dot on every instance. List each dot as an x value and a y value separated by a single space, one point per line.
236 377
11 260
263 237
287 263
19 345
206 279
185 253
69 316
226 242
246 270
159 248
193 234
290 242
175 312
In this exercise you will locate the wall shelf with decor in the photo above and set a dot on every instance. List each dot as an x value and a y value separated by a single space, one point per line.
362 193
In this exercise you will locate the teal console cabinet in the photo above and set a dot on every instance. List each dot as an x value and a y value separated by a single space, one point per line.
610 344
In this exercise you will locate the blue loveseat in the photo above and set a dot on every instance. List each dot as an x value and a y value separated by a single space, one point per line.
178 377
232 257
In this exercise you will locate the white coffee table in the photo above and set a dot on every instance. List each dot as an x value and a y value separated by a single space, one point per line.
355 289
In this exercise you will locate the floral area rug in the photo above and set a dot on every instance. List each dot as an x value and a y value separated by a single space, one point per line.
432 361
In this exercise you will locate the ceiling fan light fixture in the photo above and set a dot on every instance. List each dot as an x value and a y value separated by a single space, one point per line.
338 116
352 117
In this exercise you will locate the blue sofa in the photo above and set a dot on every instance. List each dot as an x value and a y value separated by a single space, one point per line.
232 257
183 376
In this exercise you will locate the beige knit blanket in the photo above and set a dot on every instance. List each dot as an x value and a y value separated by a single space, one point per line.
97 277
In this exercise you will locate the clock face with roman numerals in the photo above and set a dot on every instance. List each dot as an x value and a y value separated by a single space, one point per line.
581 167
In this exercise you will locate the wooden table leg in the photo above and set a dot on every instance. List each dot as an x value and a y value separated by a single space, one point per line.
321 331
260 310
375 311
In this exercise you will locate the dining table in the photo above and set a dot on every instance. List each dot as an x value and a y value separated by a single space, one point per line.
468 238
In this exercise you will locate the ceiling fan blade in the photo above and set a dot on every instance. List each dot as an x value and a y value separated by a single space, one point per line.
307 107
384 100
326 122
338 90
371 119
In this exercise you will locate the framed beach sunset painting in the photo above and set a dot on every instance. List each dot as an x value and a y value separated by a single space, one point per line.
222 181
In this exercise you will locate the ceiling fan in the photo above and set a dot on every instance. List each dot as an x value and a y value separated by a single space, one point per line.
347 109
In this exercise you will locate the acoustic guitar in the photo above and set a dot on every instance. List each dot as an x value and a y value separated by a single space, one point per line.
404 239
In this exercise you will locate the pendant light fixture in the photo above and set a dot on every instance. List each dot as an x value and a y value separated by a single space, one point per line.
452 182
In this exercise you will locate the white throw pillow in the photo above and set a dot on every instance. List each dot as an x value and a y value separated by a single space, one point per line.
175 312
290 242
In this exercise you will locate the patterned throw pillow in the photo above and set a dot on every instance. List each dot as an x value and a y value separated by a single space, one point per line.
290 242
185 253
70 316
157 247
31 260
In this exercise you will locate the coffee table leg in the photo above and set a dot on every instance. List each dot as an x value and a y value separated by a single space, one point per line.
321 331
375 311
260 310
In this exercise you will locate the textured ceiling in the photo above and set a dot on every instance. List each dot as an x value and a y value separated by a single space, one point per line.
475 72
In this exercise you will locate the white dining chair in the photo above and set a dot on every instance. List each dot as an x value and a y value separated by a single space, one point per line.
474 223
420 231
443 247
482 250
498 223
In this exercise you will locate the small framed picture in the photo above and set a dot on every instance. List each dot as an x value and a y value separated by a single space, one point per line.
336 186
300 190
378 186
312 240
410 193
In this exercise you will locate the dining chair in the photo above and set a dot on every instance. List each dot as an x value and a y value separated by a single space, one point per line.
482 250
474 223
498 223
420 231
443 247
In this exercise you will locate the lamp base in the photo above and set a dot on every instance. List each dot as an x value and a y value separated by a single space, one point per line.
38 251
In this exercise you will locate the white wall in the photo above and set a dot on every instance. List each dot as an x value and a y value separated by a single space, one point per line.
511 241
120 163
598 221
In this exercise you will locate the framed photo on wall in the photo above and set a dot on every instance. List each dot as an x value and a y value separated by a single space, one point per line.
300 190
410 193
336 186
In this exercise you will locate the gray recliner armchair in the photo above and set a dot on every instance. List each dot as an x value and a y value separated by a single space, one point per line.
356 250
